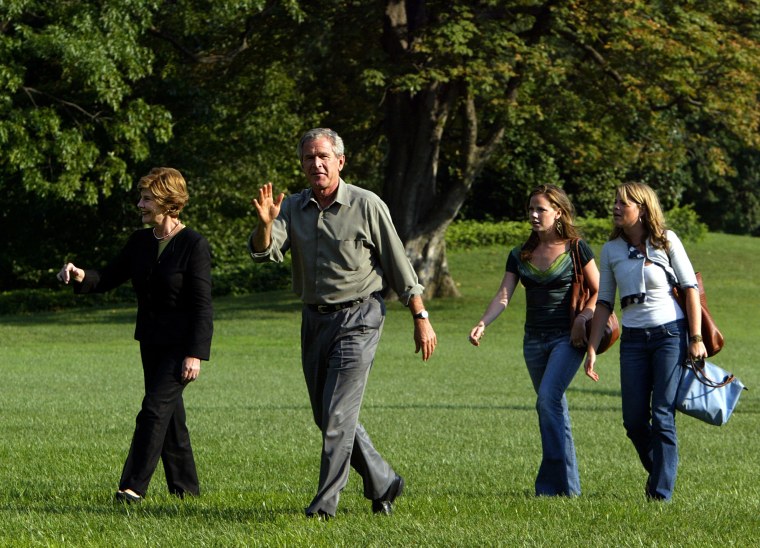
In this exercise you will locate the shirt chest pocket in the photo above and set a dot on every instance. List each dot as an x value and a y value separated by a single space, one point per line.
350 254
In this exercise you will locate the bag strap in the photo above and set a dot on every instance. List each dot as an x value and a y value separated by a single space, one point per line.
698 367
671 278
575 255
579 282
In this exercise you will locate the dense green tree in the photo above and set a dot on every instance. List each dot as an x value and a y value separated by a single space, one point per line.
71 125
432 97
597 90
95 93
70 119
230 74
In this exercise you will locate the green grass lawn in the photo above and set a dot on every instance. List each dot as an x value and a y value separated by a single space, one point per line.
461 428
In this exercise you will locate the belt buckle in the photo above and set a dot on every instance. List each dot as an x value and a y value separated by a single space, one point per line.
324 308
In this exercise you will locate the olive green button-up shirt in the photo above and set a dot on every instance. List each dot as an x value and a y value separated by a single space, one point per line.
342 253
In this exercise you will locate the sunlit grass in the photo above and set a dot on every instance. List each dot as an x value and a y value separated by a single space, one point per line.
462 429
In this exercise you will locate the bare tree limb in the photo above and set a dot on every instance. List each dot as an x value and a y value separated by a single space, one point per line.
204 58
30 92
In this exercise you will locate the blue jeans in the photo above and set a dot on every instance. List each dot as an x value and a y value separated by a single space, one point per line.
650 370
552 363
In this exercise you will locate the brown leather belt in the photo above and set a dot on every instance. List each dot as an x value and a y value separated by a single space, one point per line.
334 307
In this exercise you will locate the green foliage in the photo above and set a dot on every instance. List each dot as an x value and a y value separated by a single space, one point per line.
638 91
26 301
685 222
474 234
93 94
69 122
470 234
732 203
594 230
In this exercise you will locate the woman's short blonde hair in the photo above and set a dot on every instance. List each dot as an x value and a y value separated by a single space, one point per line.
168 188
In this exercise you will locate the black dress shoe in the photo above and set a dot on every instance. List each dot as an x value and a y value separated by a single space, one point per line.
384 505
319 515
128 498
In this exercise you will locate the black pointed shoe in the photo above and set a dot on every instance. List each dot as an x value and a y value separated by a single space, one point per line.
384 505
128 498
319 515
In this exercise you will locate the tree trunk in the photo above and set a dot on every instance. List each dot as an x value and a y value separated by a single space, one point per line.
428 255
414 128
415 124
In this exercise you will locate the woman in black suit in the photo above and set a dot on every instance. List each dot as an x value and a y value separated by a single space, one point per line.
170 268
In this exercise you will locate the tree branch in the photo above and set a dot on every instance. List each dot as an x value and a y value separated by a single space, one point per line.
31 91
597 57
204 59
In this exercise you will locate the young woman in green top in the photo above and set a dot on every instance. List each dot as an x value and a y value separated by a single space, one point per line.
553 346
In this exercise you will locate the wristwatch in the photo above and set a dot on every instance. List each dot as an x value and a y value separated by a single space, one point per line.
420 315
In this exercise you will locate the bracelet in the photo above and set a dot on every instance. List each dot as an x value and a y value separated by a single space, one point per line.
695 338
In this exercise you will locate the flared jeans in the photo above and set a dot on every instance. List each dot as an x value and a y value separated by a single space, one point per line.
650 371
552 363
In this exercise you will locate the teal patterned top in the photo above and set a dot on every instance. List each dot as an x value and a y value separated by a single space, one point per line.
547 292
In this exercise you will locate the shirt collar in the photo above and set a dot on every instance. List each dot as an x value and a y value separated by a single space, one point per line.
342 197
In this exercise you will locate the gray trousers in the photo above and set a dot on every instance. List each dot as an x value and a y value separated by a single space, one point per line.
337 351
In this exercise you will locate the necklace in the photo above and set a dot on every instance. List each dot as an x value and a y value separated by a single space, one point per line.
161 238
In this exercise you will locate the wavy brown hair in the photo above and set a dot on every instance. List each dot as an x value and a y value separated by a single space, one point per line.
559 200
168 188
652 216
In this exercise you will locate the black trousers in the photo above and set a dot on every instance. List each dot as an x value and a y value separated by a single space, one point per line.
160 429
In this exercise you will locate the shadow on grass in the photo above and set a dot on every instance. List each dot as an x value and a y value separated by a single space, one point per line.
116 314
595 391
204 509
528 407
228 307
430 406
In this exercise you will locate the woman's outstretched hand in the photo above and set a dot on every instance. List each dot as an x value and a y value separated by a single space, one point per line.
70 272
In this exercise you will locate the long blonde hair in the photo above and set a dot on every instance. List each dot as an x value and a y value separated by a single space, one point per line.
565 228
652 216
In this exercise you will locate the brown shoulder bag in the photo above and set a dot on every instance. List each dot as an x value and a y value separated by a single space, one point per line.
579 296
711 335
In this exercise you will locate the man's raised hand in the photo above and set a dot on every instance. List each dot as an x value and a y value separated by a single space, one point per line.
267 207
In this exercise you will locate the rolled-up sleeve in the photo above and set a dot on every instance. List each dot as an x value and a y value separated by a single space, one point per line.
391 254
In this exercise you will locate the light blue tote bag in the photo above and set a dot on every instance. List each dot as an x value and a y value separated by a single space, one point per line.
707 392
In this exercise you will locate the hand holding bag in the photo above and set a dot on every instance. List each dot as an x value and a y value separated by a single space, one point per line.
707 392
579 297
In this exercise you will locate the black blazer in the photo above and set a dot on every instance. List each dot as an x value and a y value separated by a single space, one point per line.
173 290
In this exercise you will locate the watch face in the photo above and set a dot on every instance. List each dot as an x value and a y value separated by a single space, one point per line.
421 315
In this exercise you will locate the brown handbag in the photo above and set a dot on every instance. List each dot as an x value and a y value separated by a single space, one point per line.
578 298
711 335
